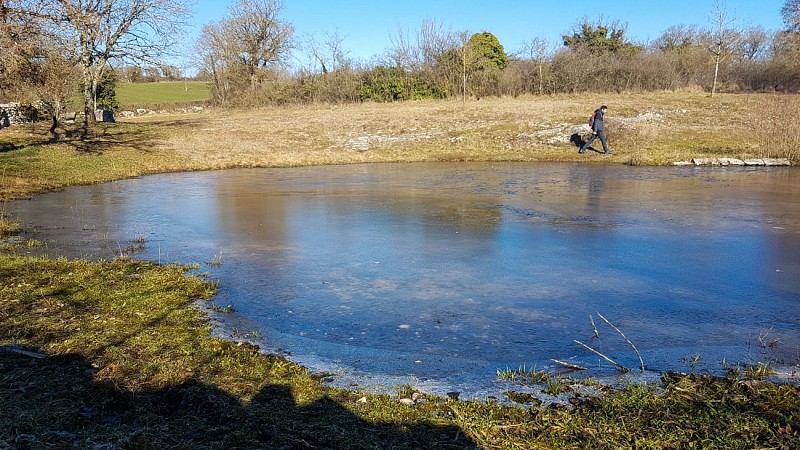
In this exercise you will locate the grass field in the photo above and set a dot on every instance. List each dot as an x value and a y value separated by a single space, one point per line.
132 95
128 362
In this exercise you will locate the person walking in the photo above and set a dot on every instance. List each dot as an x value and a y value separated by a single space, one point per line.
597 131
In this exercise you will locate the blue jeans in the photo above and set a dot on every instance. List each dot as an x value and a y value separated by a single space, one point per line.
598 134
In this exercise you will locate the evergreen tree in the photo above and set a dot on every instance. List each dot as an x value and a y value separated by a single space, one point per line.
600 39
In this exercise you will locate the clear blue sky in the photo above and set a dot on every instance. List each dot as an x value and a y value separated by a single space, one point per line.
368 25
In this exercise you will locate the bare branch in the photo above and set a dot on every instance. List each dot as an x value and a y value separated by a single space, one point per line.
641 362
620 366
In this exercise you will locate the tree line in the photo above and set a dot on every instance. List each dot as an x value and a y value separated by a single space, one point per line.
54 48
434 62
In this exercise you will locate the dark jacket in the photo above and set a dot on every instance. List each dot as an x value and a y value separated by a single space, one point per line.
598 121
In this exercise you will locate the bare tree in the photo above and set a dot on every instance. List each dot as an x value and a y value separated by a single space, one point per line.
725 38
35 62
422 50
753 43
104 30
791 15
19 41
539 51
255 36
329 53
681 38
239 51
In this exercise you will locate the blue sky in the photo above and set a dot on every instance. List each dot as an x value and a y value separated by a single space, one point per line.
368 26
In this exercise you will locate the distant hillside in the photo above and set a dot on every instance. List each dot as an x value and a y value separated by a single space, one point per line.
162 93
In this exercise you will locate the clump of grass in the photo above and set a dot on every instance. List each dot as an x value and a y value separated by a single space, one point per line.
523 374
215 261
522 397
138 244
220 309
8 227
759 371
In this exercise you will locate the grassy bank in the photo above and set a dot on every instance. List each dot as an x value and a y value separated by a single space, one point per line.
114 355
130 364
644 129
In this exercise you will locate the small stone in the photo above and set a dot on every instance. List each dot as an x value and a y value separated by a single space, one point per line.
453 395
362 400
407 401
416 396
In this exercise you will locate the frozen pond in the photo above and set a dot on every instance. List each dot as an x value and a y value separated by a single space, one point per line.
440 274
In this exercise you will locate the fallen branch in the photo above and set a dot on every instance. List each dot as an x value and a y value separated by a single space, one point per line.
620 366
641 362
568 365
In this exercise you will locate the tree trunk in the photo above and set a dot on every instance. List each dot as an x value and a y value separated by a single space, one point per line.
717 58
541 78
54 113
89 89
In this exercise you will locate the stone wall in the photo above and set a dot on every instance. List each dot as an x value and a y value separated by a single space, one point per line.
17 113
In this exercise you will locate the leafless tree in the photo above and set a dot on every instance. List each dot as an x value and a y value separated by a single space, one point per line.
19 41
239 51
724 37
753 43
539 51
421 50
36 63
101 31
329 52
255 35
791 15
680 38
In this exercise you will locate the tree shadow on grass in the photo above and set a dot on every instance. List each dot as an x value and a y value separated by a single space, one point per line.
6 147
55 402
104 137
97 140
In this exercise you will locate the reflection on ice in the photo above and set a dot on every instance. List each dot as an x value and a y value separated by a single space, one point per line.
443 273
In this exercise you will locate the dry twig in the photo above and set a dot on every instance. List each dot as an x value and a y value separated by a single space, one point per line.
594 327
568 365
641 362
620 366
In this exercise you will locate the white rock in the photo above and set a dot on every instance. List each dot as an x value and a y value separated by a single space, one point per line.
776 162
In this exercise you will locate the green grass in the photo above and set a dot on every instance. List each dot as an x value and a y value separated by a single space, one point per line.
163 93
130 363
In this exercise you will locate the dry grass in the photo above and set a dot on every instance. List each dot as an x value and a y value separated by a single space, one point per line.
643 129
647 129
